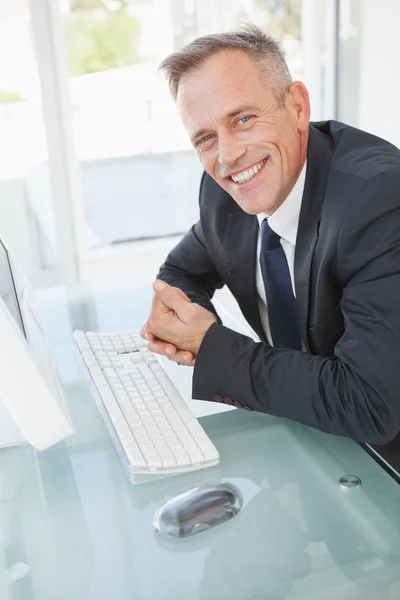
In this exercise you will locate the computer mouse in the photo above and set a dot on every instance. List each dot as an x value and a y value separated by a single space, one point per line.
197 510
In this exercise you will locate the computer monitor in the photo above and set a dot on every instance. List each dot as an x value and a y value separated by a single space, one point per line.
29 386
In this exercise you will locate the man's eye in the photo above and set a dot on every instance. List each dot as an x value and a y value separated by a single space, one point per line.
245 119
204 139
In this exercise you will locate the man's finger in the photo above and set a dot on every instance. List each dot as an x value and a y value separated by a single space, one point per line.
159 307
161 347
180 360
169 350
145 333
182 293
171 297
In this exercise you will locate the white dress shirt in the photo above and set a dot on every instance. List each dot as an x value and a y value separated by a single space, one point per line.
284 222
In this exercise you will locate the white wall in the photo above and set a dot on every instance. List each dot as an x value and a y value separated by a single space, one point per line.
318 45
379 82
23 231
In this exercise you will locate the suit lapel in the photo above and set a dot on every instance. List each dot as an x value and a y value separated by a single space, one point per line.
241 246
319 157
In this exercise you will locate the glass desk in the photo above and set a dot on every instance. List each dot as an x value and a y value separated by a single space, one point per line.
73 528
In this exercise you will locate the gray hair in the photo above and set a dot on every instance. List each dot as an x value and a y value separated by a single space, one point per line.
262 48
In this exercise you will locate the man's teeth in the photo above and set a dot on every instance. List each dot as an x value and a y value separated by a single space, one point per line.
247 175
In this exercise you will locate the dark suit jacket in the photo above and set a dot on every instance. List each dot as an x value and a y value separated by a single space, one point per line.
347 280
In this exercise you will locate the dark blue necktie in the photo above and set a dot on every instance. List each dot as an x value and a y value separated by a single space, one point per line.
282 309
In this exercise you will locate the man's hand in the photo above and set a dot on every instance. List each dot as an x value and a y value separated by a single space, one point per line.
164 348
176 320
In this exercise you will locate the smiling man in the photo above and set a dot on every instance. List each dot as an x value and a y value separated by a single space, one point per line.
302 222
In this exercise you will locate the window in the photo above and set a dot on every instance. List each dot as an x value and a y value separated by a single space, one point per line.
140 174
136 186
367 83
26 212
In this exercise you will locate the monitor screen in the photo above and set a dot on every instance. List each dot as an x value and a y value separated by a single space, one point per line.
8 290
16 295
35 400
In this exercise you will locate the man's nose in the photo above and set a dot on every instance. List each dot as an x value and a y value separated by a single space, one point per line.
230 149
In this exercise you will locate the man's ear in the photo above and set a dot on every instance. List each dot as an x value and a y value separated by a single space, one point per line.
298 103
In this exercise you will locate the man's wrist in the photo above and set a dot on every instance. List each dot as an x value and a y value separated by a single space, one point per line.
195 346
201 339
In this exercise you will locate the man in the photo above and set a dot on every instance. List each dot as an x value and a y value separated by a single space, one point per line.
302 222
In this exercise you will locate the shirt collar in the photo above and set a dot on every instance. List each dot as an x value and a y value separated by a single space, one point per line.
285 220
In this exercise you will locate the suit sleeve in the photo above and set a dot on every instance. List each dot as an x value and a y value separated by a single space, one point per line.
190 268
356 392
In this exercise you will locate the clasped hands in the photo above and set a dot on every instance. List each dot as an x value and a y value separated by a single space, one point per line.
176 326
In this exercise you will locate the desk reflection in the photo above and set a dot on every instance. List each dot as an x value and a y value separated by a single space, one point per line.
292 536
45 545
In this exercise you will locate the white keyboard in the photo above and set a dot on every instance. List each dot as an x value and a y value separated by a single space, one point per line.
156 429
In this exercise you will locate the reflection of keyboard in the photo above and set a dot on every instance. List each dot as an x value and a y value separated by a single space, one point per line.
155 427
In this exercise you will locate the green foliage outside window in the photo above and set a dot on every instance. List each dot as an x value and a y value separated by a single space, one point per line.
284 17
101 40
10 97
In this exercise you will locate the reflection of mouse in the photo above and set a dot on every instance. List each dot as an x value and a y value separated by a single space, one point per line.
197 510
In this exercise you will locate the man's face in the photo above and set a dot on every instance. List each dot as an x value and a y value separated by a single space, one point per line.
250 143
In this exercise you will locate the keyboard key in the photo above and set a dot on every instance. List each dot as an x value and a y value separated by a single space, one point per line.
138 341
145 372
182 457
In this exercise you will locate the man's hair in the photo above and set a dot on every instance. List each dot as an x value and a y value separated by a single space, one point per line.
264 50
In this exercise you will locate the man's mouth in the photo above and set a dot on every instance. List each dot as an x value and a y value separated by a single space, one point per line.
247 175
